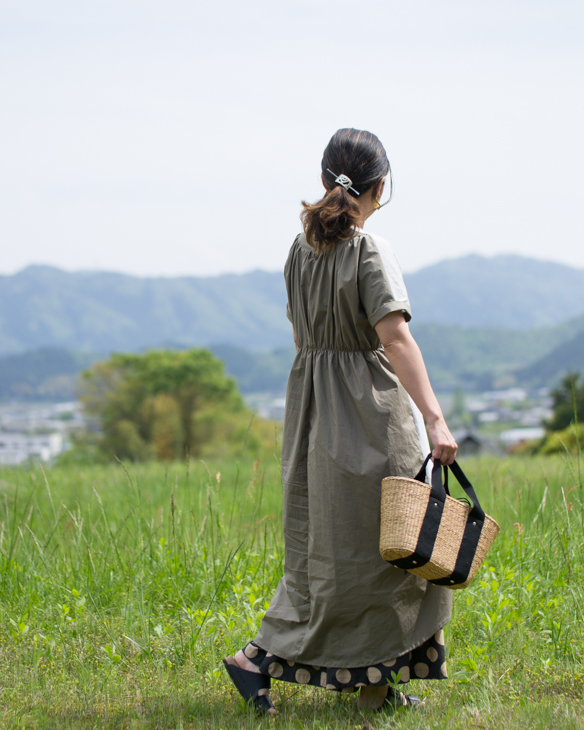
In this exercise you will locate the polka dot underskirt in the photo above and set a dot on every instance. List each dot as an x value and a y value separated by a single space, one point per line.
428 661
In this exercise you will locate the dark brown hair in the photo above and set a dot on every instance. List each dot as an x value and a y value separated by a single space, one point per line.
360 156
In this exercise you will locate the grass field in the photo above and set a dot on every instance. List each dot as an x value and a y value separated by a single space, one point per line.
122 588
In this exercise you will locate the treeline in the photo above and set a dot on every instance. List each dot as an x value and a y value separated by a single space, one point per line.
165 405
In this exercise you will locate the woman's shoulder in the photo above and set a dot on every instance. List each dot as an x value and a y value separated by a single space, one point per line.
298 253
376 242
379 245
300 243
359 241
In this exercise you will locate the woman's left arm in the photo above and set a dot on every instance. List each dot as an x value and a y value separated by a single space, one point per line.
406 359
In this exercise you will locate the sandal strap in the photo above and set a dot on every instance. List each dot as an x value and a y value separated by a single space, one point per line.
263 703
395 699
248 684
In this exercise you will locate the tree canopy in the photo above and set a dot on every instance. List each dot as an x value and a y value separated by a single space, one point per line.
568 402
161 404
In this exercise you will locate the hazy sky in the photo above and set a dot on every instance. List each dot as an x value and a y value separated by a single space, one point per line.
178 137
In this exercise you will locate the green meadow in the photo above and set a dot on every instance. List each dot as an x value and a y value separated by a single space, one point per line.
123 586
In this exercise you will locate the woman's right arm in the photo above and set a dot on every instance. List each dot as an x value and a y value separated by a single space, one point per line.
406 359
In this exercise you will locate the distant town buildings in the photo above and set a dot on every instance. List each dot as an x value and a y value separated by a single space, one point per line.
471 444
267 405
516 436
36 432
490 422
514 405
16 448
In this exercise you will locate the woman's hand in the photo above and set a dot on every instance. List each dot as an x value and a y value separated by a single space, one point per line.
445 447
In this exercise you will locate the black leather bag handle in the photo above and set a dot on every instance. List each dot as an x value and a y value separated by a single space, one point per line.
440 490
477 511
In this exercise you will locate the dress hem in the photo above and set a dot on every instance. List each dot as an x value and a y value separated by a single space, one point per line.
260 643
427 661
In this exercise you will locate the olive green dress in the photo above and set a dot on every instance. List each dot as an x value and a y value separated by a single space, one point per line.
349 423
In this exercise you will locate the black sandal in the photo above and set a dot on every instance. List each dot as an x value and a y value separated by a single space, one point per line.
249 685
396 699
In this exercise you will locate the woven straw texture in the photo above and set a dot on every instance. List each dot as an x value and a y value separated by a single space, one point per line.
403 506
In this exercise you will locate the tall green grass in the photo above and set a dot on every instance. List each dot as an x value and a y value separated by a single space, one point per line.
121 587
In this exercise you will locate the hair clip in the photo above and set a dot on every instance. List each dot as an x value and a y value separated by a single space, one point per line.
343 181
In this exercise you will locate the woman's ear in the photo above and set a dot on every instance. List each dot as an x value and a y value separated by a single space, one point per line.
323 182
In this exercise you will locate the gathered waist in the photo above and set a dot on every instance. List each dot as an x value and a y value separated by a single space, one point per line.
339 350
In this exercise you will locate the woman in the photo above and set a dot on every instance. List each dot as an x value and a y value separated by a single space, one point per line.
342 617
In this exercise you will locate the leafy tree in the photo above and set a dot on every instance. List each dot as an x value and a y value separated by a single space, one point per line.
568 402
161 404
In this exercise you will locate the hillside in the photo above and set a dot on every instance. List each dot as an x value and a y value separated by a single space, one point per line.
568 356
475 358
101 312
46 374
481 358
511 292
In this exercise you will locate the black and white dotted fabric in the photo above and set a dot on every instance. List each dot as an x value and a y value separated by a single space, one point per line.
428 661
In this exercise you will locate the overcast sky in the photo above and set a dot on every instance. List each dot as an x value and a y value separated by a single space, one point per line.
178 137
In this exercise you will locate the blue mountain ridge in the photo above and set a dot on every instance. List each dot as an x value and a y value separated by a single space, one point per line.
42 306
477 320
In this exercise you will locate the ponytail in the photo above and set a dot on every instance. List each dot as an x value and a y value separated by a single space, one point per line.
332 219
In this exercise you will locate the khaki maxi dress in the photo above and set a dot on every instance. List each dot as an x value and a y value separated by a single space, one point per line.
341 616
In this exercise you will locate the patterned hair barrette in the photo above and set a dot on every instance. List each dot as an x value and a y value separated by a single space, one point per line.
343 181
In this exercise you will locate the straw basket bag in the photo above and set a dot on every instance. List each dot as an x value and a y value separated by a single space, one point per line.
429 533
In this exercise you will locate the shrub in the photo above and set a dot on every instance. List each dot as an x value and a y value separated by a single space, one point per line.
569 439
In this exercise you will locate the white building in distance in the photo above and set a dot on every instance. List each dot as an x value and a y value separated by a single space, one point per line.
16 448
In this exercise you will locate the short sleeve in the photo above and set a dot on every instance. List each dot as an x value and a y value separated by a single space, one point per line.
381 285
287 274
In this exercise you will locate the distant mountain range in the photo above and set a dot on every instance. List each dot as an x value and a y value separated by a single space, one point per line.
99 312
473 357
479 321
42 306
511 292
